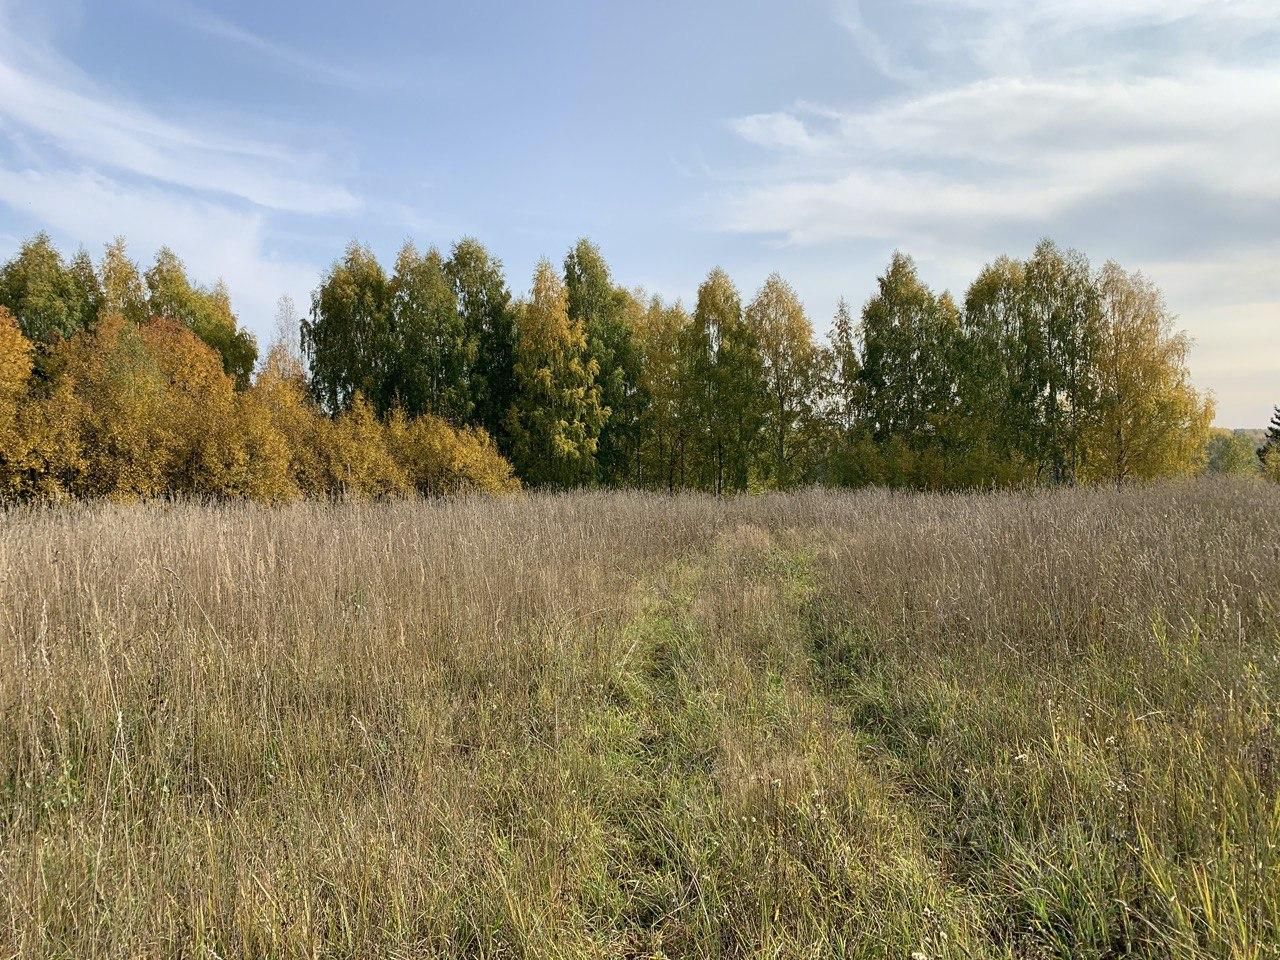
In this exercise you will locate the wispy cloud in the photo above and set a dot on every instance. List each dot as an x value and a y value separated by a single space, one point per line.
87 163
1004 37
872 45
100 129
277 54
216 240
1007 145
1065 15
1008 149
778 131
1144 129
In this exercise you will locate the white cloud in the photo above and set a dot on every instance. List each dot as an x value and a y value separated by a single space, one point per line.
1062 15
214 240
88 165
777 131
279 54
1135 122
1001 149
872 45
97 129
1029 36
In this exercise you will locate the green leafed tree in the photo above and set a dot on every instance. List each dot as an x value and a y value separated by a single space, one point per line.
347 338
88 288
50 300
997 426
725 375
847 453
790 369
659 332
485 307
206 313
1269 452
123 292
1232 452
1060 317
433 349
600 307
170 292
909 344
216 324
555 419
843 390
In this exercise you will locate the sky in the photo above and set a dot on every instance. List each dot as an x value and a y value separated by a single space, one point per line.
808 137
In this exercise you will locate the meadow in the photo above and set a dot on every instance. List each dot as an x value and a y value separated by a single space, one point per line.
815 724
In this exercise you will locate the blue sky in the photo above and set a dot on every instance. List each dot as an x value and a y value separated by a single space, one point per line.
811 137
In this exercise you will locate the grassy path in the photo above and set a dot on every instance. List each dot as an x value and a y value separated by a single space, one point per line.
734 811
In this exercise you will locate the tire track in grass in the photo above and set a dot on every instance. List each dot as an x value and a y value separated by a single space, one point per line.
740 814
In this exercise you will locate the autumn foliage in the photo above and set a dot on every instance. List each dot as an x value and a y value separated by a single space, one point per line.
138 410
431 378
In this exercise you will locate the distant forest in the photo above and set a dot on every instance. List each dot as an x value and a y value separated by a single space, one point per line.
432 377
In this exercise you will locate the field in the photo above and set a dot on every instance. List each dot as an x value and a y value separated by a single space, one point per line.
622 725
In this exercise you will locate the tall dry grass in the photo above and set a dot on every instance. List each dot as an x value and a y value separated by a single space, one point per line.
613 725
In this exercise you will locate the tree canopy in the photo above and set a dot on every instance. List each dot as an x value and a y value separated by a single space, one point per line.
432 377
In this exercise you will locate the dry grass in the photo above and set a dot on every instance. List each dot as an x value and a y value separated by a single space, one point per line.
630 726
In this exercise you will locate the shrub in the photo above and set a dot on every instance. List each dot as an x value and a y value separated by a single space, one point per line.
440 460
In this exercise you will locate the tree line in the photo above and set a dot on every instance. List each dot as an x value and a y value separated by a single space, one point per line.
433 376
122 384
1048 372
